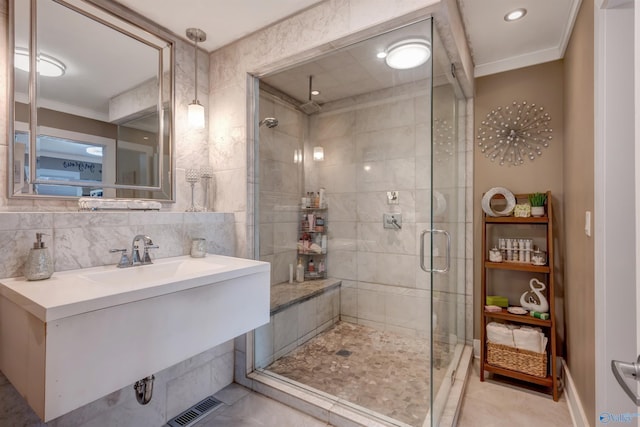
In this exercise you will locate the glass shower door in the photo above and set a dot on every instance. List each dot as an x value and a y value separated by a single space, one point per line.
444 258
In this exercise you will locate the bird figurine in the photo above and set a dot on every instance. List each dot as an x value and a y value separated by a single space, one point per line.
534 300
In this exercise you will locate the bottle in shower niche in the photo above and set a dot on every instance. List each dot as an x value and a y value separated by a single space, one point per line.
300 271
311 267
39 264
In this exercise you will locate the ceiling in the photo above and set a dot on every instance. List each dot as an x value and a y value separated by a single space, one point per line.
224 21
496 45
356 70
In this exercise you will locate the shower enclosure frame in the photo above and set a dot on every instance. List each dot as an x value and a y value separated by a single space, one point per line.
313 404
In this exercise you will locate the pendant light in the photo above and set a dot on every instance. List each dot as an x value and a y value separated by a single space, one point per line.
196 110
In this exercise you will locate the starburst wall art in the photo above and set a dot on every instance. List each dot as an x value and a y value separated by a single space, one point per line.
513 133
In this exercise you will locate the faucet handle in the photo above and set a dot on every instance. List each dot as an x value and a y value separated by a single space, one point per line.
124 259
146 258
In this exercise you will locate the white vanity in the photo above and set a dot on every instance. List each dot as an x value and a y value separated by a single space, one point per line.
83 334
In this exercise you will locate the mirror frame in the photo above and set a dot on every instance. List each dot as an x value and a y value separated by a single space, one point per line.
128 17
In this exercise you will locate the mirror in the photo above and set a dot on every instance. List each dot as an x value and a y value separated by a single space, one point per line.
96 118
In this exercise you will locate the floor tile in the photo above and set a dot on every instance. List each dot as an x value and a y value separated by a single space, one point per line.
495 404
255 410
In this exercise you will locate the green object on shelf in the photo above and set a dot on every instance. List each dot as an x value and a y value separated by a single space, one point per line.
498 300
537 199
538 315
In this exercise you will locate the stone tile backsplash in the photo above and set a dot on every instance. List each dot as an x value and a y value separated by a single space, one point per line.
83 239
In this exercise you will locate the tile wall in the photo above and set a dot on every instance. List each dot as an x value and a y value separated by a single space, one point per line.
281 183
376 143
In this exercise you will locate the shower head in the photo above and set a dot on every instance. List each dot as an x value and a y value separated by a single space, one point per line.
269 122
310 107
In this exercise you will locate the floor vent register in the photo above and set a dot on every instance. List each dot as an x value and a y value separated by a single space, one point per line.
195 413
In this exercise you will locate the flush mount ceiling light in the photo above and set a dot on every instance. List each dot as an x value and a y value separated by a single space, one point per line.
94 151
47 65
315 92
408 54
514 15
195 111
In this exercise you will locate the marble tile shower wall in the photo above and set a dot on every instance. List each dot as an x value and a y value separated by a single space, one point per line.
373 144
280 185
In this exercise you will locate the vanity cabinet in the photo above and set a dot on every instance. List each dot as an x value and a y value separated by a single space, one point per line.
512 278
313 234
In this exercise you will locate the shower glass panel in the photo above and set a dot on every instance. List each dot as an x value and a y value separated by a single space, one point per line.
374 330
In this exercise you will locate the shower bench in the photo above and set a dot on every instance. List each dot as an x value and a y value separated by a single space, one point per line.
299 312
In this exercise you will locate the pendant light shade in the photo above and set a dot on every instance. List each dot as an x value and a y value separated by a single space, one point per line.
195 112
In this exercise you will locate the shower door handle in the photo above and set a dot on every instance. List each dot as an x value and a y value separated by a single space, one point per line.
448 252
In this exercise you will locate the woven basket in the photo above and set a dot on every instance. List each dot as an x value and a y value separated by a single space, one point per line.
526 361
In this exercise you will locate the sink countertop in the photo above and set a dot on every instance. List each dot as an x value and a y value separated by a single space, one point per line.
72 292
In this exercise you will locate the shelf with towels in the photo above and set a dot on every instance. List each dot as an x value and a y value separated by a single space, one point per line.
499 275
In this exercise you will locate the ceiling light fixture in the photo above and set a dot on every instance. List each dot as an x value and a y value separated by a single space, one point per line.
47 65
95 151
514 15
315 92
408 54
195 112
381 55
318 154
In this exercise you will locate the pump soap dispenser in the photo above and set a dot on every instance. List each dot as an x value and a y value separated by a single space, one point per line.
39 264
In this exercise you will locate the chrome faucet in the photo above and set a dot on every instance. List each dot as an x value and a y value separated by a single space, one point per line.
136 258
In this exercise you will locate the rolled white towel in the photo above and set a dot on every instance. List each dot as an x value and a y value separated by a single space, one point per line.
529 339
499 333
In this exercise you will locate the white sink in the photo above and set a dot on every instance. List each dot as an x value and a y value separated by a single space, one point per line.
72 292
66 341
162 270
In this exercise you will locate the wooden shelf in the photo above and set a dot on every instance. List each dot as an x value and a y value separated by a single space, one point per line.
544 381
492 227
518 318
518 266
516 220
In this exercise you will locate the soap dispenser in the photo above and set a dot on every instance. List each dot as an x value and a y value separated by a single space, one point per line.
39 264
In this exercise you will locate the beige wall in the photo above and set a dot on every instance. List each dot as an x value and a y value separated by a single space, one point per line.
578 180
540 84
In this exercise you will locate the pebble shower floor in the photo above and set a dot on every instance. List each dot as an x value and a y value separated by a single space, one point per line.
381 371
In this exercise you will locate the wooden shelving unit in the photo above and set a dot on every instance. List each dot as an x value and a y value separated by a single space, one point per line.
544 224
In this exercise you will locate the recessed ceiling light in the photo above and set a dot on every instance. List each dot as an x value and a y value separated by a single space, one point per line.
408 54
381 55
514 15
47 65
315 92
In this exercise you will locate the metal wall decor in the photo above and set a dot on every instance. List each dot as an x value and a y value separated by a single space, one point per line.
511 134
